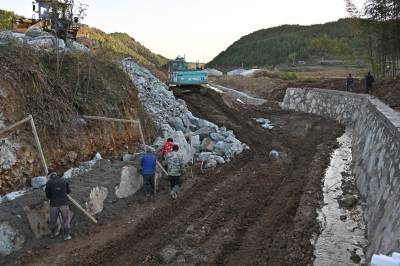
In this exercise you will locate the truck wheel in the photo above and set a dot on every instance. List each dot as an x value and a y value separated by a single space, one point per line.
203 91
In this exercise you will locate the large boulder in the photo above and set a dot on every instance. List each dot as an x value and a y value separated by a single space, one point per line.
36 32
185 149
207 144
38 182
219 148
233 147
131 182
177 124
196 143
42 43
8 36
10 239
95 203
77 47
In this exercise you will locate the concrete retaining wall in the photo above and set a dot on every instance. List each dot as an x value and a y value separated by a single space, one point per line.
376 155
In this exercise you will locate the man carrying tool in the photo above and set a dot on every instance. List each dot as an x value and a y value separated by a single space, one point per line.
175 170
148 165
57 189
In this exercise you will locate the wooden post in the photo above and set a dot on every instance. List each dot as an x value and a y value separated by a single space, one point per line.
190 140
15 125
142 136
82 209
38 145
111 119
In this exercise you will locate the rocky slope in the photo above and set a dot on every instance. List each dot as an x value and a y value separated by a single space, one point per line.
212 144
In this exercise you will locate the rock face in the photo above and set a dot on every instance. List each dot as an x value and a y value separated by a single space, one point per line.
95 203
10 239
131 182
174 119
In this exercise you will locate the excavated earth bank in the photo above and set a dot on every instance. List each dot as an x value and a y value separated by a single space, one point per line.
257 210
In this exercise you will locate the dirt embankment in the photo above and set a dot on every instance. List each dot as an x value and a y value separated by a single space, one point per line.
86 84
256 210
272 88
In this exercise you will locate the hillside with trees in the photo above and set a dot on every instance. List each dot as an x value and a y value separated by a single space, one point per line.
288 43
122 44
379 27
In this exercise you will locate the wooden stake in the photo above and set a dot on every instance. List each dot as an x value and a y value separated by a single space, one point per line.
38 145
82 209
142 136
15 125
111 119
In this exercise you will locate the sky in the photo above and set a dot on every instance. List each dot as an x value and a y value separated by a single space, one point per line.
198 29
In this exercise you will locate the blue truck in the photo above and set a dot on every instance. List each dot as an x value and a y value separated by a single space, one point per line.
180 77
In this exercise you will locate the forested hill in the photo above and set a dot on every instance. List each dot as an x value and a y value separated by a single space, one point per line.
284 43
123 44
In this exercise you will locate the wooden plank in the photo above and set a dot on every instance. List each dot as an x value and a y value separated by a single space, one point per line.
82 209
15 125
111 119
142 136
162 168
39 146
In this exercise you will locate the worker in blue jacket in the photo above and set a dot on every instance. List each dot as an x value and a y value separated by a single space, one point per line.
148 165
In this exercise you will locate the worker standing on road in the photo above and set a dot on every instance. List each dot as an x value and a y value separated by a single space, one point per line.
148 166
369 80
57 189
350 83
175 170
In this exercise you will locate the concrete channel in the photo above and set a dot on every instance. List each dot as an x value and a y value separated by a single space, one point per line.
375 153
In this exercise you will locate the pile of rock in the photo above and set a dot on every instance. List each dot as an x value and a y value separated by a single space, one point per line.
208 142
41 40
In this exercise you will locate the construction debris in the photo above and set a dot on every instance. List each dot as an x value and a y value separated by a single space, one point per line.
170 114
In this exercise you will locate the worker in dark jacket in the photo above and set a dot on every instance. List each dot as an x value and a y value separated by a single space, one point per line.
57 189
350 83
148 165
369 80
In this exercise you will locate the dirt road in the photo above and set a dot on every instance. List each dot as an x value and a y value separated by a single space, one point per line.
255 210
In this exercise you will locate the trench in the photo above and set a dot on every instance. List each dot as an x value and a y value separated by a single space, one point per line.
342 238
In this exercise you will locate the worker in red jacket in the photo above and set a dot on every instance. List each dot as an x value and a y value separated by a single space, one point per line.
167 147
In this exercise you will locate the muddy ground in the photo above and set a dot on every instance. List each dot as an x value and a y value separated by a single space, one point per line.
255 210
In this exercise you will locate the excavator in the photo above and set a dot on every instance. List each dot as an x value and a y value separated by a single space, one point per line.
59 17
181 78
